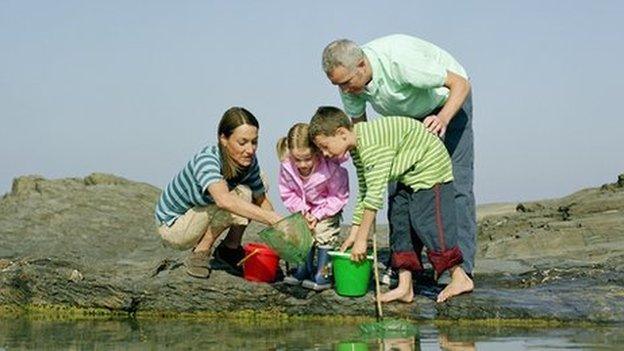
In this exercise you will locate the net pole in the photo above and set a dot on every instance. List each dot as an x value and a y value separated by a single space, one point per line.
376 274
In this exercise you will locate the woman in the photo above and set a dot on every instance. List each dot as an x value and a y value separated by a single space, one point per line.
219 188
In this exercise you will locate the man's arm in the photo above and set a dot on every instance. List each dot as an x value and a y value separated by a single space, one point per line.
459 88
354 107
361 118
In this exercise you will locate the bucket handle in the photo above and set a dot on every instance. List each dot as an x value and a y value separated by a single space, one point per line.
255 251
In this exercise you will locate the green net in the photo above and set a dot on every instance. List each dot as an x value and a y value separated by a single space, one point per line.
389 328
290 238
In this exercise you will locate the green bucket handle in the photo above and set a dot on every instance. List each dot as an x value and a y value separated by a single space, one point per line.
345 254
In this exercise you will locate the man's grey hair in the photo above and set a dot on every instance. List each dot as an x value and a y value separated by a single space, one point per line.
341 52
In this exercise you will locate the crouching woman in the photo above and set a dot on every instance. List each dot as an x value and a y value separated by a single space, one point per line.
219 188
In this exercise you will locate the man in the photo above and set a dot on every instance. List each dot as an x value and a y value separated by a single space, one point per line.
400 75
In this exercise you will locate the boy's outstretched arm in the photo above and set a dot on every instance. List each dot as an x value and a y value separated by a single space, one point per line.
358 252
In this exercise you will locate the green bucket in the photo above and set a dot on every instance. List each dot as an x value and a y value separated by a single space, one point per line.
352 346
351 278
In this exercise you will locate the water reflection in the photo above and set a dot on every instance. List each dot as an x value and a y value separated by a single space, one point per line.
400 344
288 335
453 345
405 344
352 346
392 344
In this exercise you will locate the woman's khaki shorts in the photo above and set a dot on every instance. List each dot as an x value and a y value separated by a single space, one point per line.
189 228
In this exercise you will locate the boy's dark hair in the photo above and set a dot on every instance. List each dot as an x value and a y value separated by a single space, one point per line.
327 120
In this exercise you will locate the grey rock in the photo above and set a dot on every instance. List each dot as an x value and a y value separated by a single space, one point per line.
92 243
75 276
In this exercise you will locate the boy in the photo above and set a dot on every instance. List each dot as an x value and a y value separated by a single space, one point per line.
398 149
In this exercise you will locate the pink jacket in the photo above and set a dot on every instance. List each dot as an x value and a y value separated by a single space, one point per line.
323 194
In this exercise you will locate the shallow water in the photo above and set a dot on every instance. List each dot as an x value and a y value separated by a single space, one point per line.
20 334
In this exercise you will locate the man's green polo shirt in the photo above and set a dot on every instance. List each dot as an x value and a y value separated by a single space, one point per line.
408 78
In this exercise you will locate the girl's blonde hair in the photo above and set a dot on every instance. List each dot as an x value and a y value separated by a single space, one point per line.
296 138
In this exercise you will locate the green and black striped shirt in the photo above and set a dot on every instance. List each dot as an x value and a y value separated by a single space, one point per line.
396 149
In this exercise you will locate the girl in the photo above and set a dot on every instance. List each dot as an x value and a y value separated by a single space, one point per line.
319 188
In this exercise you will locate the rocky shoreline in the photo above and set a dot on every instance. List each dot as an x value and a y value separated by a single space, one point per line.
91 245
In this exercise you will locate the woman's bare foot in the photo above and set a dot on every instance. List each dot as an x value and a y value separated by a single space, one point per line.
404 292
460 284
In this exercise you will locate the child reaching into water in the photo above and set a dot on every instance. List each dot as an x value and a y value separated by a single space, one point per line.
399 149
319 188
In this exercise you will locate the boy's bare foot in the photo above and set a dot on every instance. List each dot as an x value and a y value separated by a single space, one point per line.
460 284
404 292
398 294
447 345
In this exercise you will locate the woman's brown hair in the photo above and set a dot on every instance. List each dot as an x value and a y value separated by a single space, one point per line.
232 119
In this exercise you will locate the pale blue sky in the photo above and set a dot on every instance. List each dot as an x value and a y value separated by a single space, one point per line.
134 88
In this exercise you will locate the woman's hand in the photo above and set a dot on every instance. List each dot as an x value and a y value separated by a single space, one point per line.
274 217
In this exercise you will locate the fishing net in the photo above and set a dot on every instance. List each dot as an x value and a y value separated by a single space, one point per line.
385 328
389 328
290 238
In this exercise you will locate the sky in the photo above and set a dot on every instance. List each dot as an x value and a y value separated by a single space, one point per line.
135 88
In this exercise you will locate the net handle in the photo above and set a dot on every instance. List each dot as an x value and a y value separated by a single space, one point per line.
378 310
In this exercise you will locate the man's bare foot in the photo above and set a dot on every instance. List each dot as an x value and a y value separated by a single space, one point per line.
460 284
404 292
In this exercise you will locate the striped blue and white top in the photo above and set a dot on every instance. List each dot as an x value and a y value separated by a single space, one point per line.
189 188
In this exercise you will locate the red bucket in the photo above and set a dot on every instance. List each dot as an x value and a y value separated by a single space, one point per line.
262 263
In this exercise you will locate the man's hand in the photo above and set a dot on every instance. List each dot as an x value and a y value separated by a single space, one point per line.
358 252
435 125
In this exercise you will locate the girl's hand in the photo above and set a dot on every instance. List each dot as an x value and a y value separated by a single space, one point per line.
312 221
312 224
